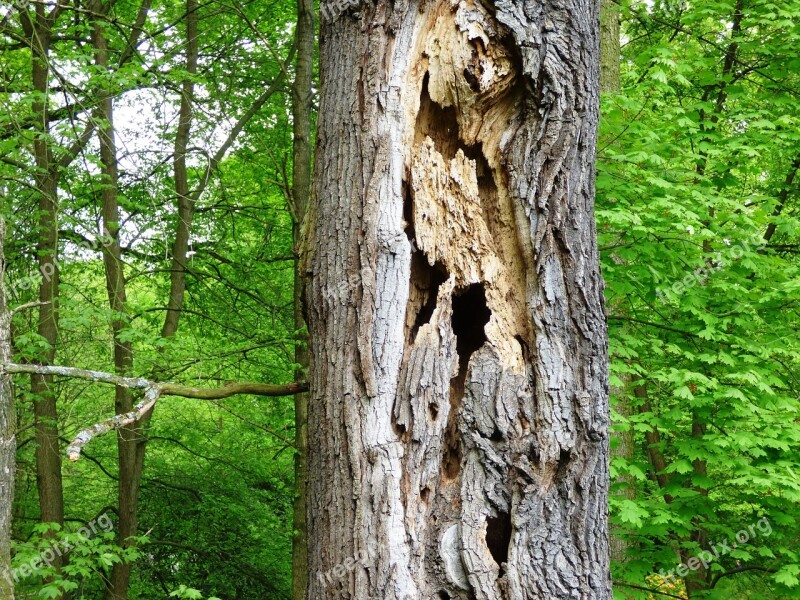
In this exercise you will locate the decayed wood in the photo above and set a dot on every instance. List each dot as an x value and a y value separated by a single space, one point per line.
458 414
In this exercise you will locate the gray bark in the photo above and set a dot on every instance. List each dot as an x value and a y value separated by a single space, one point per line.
458 418
8 434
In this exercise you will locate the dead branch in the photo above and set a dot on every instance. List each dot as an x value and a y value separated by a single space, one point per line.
153 391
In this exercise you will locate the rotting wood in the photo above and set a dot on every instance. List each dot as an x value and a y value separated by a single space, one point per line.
458 386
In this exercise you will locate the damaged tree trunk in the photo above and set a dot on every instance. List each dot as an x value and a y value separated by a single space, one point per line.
458 419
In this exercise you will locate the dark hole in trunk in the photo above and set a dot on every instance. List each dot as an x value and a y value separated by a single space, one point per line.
408 211
470 315
563 464
438 123
425 494
451 465
498 538
428 279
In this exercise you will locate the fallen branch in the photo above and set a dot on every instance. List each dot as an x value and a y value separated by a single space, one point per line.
153 391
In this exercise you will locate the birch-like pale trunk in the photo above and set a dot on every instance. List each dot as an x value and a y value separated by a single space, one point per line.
458 418
8 433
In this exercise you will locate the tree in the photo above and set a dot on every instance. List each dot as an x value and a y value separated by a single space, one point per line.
302 109
8 433
89 64
696 178
458 413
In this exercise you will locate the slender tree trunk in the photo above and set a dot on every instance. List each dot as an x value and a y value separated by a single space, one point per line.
8 433
127 437
458 380
610 84
132 454
185 201
609 47
48 455
301 192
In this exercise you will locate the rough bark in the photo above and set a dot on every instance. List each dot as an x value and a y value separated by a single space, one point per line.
458 382
301 191
8 433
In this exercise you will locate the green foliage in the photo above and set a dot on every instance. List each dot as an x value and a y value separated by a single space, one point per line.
694 159
217 490
89 557
189 593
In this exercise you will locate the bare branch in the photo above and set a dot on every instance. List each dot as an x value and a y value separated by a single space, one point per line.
154 390
134 383
26 306
151 396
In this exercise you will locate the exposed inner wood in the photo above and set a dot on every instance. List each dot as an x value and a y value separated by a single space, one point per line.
467 280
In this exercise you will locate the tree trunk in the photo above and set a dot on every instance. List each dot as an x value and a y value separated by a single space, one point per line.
128 437
134 455
609 47
301 191
48 455
458 418
8 433
610 84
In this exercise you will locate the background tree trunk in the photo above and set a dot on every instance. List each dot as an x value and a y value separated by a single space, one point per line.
127 439
8 433
610 84
458 407
609 47
302 106
48 455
